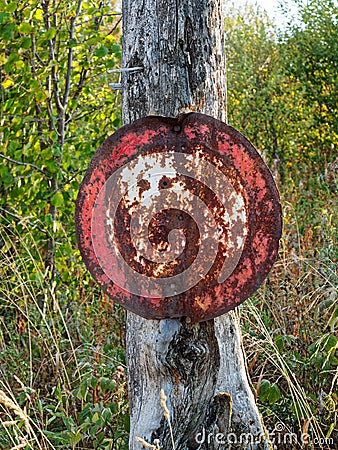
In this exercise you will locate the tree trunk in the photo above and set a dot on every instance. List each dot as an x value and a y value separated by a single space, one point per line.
200 367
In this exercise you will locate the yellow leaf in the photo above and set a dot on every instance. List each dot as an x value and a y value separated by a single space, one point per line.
3 59
38 14
7 83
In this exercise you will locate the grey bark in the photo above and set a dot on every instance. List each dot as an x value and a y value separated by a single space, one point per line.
201 368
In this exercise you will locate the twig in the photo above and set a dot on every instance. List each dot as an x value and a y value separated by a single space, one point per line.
60 188
116 25
20 163
80 84
37 106
72 117
70 56
23 219
52 57
90 20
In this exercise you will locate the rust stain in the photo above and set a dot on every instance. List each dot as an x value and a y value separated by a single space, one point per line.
245 216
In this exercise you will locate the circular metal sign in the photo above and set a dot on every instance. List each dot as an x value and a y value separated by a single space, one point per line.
178 217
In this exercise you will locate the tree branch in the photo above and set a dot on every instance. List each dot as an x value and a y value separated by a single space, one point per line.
52 56
70 56
80 85
60 188
87 113
115 26
21 163
23 219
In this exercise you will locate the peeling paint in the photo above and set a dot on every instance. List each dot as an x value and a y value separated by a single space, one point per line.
178 217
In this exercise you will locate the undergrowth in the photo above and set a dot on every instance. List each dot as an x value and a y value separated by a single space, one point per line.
290 325
62 361
62 357
63 380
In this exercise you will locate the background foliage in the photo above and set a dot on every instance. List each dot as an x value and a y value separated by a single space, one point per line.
61 344
283 95
62 373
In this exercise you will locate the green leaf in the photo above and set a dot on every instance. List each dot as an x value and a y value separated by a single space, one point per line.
26 42
116 48
127 423
57 150
14 57
101 51
7 178
25 28
106 414
331 342
93 430
52 166
11 7
50 34
75 438
93 382
273 394
279 341
72 42
333 319
82 391
104 384
264 390
57 199
3 17
40 96
48 219
7 30
53 136
95 417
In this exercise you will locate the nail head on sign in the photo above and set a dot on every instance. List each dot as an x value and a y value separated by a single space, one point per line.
197 248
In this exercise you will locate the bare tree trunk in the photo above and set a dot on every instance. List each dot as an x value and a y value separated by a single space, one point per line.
179 45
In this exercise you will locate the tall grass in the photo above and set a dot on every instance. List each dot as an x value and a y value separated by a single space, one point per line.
290 324
62 358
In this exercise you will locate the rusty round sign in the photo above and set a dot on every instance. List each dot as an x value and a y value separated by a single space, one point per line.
178 217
